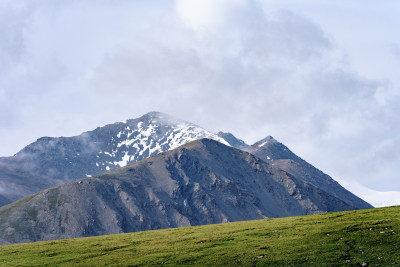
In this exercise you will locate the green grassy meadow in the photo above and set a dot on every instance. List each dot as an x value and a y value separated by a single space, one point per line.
343 238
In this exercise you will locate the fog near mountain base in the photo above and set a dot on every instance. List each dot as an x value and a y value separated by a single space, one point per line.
236 66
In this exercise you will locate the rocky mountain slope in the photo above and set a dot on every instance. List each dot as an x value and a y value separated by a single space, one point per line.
202 182
53 161
274 152
233 140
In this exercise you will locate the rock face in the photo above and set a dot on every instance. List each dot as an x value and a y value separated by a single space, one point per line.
232 140
281 157
201 182
53 161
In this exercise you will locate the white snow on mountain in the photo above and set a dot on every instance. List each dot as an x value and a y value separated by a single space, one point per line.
149 135
261 145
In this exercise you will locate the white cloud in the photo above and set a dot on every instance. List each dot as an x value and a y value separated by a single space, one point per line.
203 13
225 65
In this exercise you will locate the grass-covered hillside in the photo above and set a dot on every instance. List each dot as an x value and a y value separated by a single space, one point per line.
364 237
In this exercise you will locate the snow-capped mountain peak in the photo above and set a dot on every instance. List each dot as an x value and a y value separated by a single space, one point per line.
112 146
63 159
53 161
148 135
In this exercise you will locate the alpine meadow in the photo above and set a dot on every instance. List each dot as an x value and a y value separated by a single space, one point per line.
199 133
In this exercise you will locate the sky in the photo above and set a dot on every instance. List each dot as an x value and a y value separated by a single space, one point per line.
322 77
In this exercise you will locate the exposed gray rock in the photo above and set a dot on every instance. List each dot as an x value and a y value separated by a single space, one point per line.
53 161
201 182
270 150
232 140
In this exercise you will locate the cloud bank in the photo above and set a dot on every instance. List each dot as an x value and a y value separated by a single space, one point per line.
71 66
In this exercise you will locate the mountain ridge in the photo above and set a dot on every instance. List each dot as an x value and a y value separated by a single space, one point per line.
201 182
51 161
276 153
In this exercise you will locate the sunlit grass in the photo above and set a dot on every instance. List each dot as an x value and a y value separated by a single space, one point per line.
355 237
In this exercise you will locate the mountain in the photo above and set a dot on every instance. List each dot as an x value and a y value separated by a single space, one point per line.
232 140
274 152
202 182
52 161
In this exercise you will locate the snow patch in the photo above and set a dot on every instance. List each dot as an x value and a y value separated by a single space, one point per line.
186 133
108 154
144 140
262 144
124 161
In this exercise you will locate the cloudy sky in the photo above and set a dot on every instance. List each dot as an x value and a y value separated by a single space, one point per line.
323 77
